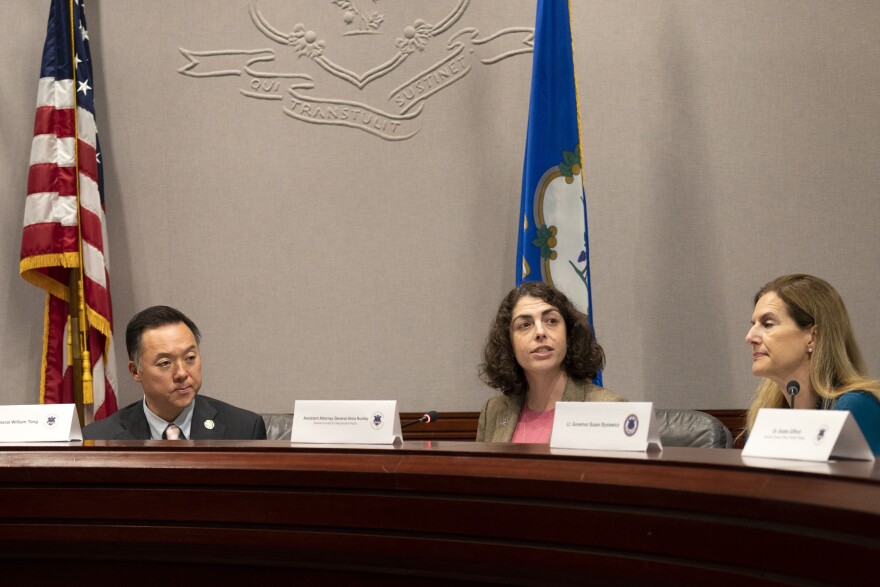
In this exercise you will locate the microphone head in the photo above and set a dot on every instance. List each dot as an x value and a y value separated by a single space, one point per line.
431 416
793 388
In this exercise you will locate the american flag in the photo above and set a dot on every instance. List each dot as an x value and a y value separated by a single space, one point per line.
64 223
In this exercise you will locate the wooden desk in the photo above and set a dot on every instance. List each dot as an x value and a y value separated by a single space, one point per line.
429 513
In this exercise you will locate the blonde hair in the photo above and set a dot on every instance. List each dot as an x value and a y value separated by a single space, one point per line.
836 364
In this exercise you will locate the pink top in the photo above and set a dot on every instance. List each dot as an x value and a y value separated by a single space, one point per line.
533 427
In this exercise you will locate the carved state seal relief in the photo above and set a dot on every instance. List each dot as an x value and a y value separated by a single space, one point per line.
385 100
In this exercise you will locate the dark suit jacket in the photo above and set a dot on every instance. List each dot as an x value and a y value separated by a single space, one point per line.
230 423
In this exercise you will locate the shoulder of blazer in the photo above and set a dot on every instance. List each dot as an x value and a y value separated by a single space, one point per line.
587 391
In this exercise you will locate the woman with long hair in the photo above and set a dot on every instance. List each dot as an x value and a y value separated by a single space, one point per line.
801 332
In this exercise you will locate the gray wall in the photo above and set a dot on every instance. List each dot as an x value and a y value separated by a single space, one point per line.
725 143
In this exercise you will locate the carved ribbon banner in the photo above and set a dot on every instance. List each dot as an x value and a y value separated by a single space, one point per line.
393 120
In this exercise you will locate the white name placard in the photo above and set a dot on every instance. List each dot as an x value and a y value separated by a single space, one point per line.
345 422
605 426
39 423
807 435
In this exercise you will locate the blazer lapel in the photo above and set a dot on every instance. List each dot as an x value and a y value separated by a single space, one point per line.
204 424
134 424
575 392
507 419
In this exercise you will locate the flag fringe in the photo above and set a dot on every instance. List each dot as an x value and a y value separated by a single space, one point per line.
29 266
98 322
48 284
66 260
577 107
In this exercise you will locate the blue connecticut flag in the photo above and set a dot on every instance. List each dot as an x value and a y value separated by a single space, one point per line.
553 243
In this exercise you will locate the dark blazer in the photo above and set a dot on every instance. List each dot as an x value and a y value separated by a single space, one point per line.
229 423
501 412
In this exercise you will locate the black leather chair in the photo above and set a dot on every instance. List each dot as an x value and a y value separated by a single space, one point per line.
692 428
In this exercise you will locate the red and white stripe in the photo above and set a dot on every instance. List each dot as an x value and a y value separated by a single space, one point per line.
50 241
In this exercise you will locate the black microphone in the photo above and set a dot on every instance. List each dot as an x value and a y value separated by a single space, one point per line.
429 417
792 389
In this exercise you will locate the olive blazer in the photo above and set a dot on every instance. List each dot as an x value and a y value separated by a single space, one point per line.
501 412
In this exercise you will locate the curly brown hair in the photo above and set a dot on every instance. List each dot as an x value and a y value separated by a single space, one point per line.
584 358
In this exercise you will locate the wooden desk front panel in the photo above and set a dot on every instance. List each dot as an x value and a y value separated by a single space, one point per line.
432 513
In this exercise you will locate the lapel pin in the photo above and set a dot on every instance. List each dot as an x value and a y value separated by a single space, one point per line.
504 422
209 424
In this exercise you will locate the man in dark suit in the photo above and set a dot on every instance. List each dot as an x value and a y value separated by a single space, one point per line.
163 352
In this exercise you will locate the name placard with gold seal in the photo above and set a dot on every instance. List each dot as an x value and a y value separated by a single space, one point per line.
39 423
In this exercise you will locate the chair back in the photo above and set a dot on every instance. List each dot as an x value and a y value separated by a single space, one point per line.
278 426
692 428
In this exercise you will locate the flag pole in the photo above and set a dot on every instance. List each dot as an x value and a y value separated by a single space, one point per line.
75 345
82 363
577 106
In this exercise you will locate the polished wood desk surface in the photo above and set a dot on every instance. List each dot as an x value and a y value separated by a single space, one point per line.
438 512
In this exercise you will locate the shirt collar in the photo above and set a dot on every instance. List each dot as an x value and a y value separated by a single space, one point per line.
158 425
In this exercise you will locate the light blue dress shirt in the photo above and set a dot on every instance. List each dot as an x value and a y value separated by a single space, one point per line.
158 425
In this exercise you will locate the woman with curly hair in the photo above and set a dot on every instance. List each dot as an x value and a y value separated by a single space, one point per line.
801 332
540 351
